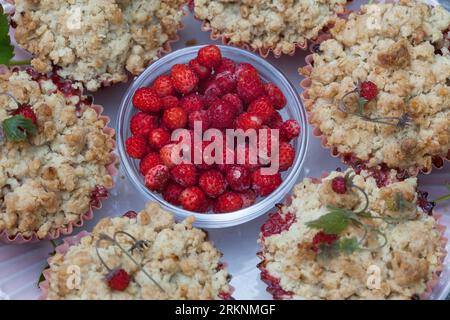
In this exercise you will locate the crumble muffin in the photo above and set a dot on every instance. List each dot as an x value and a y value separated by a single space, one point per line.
401 50
179 261
263 25
96 42
392 250
49 180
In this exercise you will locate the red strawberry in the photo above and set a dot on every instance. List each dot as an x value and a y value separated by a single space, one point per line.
201 117
234 101
239 178
248 157
27 112
322 238
226 81
165 155
183 78
201 71
158 138
246 70
246 121
118 280
192 102
226 65
141 123
368 90
209 56
249 88
207 205
286 156
290 130
228 202
248 198
172 193
263 108
136 146
130 214
212 183
275 95
148 162
339 185
163 86
184 174
169 102
157 178
175 118
264 185
265 145
277 121
145 99
221 115
193 199
206 156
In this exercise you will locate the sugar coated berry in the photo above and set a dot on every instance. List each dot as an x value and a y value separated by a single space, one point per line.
339 185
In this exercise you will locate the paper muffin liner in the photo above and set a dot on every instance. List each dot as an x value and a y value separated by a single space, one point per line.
263 52
351 159
74 240
273 283
95 203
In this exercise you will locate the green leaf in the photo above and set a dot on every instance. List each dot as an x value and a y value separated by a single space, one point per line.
17 128
6 48
332 223
328 250
348 245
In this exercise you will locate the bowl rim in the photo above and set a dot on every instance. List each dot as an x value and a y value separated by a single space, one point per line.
212 220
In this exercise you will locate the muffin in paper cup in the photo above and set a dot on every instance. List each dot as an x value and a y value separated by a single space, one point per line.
377 90
353 236
263 26
98 43
57 158
152 255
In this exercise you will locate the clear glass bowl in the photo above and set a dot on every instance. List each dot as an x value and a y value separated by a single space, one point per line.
293 110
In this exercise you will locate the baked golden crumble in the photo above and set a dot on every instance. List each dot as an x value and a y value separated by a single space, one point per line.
277 25
406 262
47 181
402 48
178 257
96 42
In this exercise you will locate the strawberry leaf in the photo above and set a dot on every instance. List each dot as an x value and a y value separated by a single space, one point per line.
17 128
333 222
348 245
6 48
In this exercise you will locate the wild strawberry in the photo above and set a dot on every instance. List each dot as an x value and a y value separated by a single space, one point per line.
249 88
118 280
145 99
201 117
226 65
157 178
172 193
239 178
136 146
226 81
208 161
193 199
209 87
169 102
263 108
165 155
207 205
246 121
192 102
27 112
290 130
248 198
158 138
264 143
322 238
185 174
221 115
209 56
228 159
212 183
246 70
286 156
183 78
130 214
277 121
149 161
339 185
175 118
228 202
248 157
141 123
264 184
234 101
163 86
368 90
275 95
201 71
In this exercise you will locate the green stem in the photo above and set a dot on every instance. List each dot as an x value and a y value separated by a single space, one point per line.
19 63
442 199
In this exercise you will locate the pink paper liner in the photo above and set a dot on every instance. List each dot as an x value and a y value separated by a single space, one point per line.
438 161
274 285
68 229
74 240
263 52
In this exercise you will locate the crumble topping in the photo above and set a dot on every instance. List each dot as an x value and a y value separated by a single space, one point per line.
96 42
403 49
179 258
278 25
406 263
46 181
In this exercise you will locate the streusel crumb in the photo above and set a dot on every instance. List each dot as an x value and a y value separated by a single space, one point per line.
96 42
47 181
177 256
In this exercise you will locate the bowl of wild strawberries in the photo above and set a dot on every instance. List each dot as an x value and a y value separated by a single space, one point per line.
215 132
